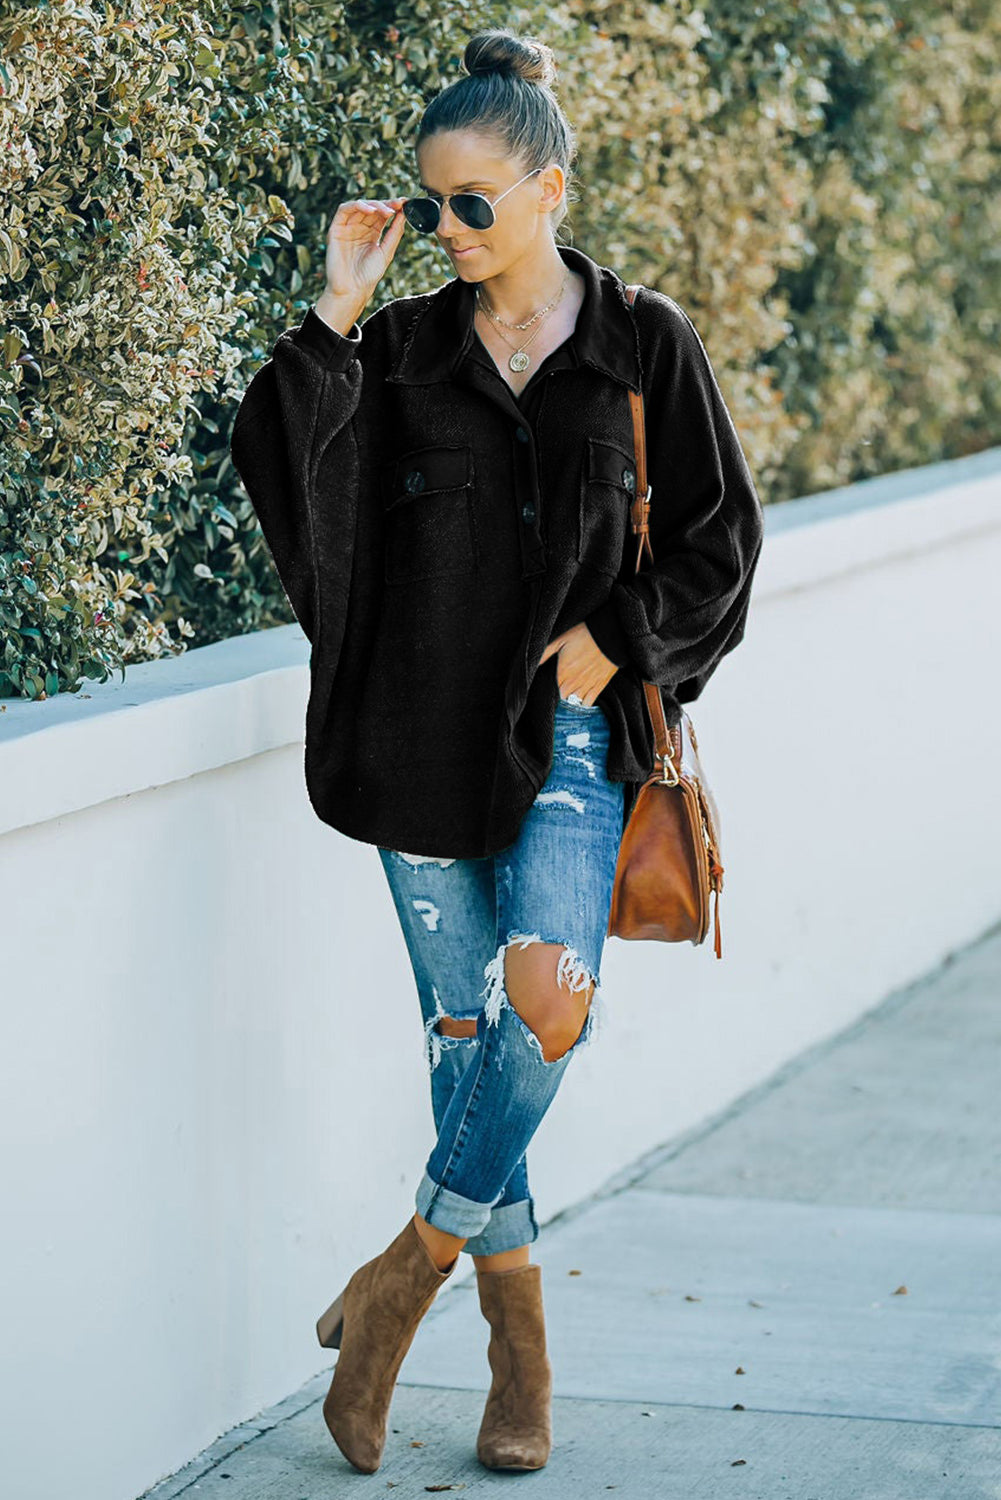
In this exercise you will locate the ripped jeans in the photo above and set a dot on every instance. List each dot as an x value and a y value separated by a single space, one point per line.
490 1091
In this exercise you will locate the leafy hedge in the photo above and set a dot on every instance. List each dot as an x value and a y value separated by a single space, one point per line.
816 183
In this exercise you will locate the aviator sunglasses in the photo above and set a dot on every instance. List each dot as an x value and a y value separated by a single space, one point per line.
472 209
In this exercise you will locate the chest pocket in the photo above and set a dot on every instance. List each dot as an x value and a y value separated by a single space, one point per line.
607 491
430 525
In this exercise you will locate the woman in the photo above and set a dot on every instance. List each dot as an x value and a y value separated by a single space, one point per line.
446 493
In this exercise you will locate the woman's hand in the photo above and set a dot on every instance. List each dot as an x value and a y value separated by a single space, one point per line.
581 668
357 259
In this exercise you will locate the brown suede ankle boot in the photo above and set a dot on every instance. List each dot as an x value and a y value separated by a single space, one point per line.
516 1431
373 1323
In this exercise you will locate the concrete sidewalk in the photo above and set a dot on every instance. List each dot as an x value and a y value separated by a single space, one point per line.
799 1301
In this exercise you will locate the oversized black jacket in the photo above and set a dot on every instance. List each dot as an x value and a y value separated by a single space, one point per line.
433 532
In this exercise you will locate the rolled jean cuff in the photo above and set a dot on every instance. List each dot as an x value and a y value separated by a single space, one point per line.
450 1212
510 1226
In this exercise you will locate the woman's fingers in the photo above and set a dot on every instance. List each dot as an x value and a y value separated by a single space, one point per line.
362 239
372 207
366 218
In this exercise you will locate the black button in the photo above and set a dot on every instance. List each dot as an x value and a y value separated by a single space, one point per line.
521 433
629 479
528 514
414 482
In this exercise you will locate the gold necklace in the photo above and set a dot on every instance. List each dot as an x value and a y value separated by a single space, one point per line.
528 321
519 360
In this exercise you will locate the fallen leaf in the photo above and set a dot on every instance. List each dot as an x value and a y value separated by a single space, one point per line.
740 1370
751 1303
416 1443
738 1461
738 1406
690 1298
574 1273
900 1292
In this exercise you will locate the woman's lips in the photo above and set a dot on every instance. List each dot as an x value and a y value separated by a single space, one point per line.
468 250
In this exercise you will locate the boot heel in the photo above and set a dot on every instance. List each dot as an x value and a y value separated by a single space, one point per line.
330 1325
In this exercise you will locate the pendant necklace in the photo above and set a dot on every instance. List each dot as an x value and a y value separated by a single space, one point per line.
519 360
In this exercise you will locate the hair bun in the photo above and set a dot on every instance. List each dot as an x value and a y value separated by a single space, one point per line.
501 51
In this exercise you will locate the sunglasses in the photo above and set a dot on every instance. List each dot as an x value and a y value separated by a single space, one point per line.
471 209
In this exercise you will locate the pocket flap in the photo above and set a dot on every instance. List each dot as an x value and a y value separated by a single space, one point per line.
425 471
608 463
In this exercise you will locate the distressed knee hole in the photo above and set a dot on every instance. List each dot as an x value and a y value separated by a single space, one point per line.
452 1026
548 986
442 1031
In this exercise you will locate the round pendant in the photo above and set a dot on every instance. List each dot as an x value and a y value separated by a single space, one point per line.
519 360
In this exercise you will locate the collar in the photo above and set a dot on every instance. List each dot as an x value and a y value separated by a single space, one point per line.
604 335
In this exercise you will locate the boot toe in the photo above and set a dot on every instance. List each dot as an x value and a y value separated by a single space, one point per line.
352 1432
514 1450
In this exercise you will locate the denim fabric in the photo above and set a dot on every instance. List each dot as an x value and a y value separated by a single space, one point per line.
552 885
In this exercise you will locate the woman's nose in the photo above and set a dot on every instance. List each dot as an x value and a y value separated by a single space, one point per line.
448 225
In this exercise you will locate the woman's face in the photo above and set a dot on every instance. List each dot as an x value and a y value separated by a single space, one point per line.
460 160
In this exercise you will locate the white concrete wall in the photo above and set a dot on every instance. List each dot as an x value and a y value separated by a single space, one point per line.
214 1096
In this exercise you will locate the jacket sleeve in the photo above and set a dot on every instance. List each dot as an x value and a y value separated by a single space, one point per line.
677 617
300 402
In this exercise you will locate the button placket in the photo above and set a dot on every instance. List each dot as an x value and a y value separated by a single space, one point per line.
527 499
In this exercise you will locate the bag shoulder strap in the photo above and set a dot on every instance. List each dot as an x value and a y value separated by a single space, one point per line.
667 742
640 509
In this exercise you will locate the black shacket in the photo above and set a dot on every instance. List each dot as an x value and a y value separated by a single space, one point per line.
433 532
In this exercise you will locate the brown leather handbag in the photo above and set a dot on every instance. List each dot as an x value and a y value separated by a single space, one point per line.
669 859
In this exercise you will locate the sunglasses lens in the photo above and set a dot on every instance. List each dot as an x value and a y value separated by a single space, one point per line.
473 210
422 213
